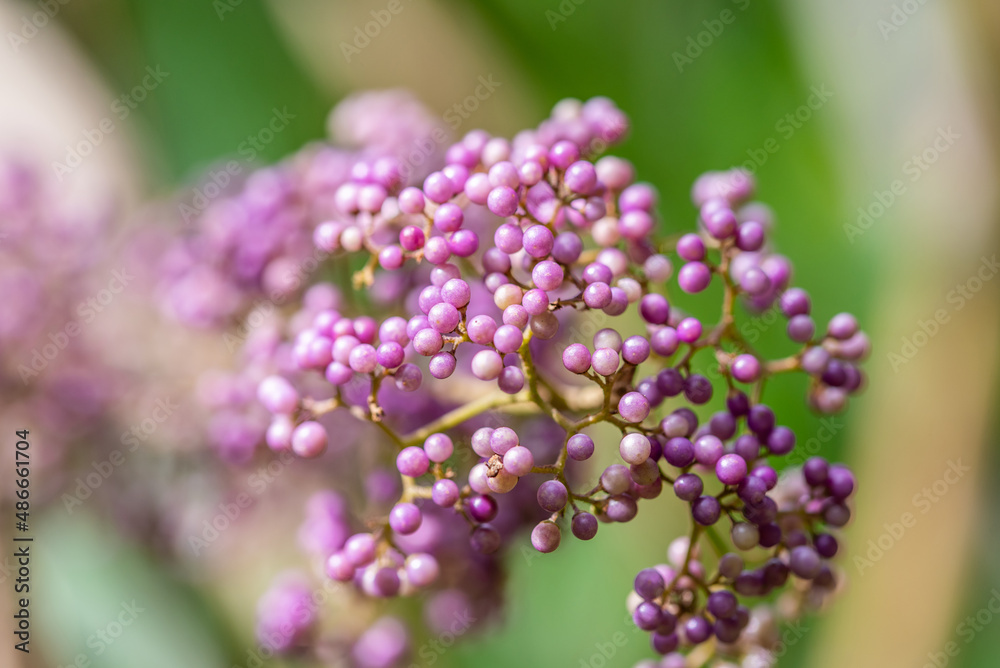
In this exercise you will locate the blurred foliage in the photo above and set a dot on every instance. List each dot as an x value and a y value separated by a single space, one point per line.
228 71
107 603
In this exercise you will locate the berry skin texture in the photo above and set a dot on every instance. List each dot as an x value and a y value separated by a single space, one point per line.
584 526
731 469
633 407
576 358
445 493
706 510
694 277
277 395
439 447
552 496
580 447
635 449
309 440
605 361
545 537
518 461
412 462
405 518
649 584
688 487
746 368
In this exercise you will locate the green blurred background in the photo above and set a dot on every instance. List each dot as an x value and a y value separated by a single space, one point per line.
231 63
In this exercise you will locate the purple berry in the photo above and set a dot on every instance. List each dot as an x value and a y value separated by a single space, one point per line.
580 447
694 277
552 496
731 469
412 462
545 537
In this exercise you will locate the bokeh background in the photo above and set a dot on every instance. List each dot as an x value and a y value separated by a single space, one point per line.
706 85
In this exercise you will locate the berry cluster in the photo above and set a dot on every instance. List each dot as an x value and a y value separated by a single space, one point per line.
248 254
508 275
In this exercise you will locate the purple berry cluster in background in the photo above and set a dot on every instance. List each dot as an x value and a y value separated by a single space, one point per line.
53 372
508 301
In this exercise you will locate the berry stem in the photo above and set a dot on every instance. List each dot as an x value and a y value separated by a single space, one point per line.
493 401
